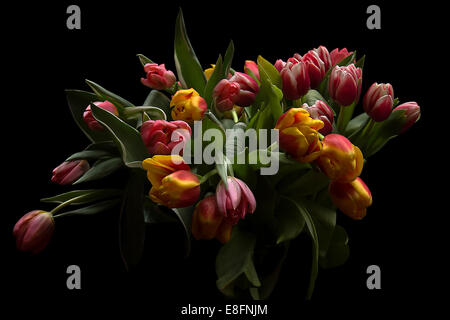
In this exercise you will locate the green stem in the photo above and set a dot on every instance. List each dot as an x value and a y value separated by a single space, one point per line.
128 112
345 114
65 204
208 175
213 118
235 116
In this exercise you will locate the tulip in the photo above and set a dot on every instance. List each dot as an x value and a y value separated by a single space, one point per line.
299 135
208 72
279 65
161 136
158 77
340 160
338 55
352 198
89 118
316 67
69 171
412 114
248 89
173 184
251 66
225 94
345 84
378 101
208 223
234 201
33 231
324 55
295 78
187 105
321 111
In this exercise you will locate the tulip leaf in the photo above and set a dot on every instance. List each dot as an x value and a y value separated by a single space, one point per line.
132 222
228 59
355 126
78 102
94 208
85 196
89 155
289 222
184 215
234 259
338 250
101 169
119 102
214 79
269 72
158 99
312 96
143 59
127 138
303 184
189 70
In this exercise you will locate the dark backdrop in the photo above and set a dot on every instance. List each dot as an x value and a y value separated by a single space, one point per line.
43 58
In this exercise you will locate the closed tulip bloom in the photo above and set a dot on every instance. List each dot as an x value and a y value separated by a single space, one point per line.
321 111
378 101
248 89
325 56
251 66
33 231
412 114
187 105
340 160
299 135
295 78
235 201
88 117
316 67
160 136
352 198
279 65
69 171
338 55
158 77
173 184
226 94
345 84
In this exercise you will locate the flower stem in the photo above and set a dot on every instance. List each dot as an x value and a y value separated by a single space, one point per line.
66 203
235 116
208 175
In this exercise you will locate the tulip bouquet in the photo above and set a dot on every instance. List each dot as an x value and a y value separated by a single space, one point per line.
186 159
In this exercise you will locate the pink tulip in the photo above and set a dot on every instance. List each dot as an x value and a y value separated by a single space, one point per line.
158 77
321 111
248 89
295 78
412 114
225 94
378 101
338 55
324 55
252 66
235 201
279 65
33 231
344 86
316 67
69 171
160 136
88 117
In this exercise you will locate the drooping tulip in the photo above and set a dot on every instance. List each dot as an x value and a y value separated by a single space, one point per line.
33 231
352 198
69 171
160 136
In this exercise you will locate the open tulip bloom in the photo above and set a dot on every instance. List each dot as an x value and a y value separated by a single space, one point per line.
305 115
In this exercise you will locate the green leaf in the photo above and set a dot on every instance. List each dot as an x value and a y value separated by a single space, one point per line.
89 155
127 138
305 184
189 70
90 195
94 208
338 251
101 169
78 102
268 71
143 59
312 96
132 223
185 217
289 222
158 99
228 59
234 259
356 125
216 76
119 102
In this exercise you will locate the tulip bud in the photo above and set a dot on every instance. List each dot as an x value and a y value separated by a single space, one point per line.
173 184
251 66
378 101
345 84
187 105
235 201
248 89
352 198
412 114
316 67
161 136
226 94
321 111
89 118
208 72
33 231
299 135
324 55
340 160
279 65
158 77
338 55
295 78
69 171
206 219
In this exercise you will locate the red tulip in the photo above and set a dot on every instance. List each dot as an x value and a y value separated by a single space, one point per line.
33 231
321 111
295 78
345 84
316 67
324 55
158 77
251 66
89 118
161 136
248 89
338 55
69 171
412 114
226 94
378 101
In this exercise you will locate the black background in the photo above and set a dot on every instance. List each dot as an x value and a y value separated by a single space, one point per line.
42 58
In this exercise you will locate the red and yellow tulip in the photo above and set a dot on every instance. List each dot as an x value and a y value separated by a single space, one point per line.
352 198
187 105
